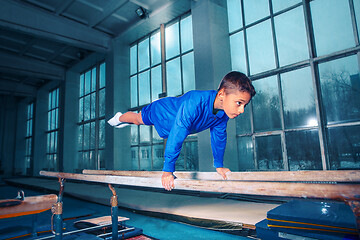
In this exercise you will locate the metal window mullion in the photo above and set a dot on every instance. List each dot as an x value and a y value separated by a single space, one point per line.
320 114
97 121
247 62
277 65
150 68
282 117
353 20
163 58
180 58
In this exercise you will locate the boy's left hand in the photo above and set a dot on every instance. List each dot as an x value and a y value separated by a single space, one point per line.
223 172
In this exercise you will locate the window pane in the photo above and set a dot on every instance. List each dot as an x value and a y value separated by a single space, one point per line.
52 142
158 160
243 124
102 75
261 49
298 99
156 83
266 105
340 87
134 158
53 119
81 85
303 150
155 49
133 59
80 137
344 147
186 34
144 57
86 136
269 153
144 134
172 45
49 121
92 135
291 37
191 159
134 91
93 160
56 117
54 100
180 162
134 134
102 133
144 88
145 158
279 5
48 142
101 158
101 102
237 48
234 15
188 72
87 82
330 17
357 15
173 77
93 79
87 108
255 10
93 105
81 109
156 137
246 153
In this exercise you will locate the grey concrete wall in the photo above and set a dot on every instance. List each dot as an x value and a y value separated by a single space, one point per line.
121 102
8 116
71 117
212 61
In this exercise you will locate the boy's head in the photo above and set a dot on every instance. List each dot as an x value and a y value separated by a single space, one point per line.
234 93
237 81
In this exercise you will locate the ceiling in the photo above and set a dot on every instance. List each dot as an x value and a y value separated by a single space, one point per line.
40 39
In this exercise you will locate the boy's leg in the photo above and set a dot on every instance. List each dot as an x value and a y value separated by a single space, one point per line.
131 117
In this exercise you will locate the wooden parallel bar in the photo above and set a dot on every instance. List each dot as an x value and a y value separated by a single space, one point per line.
278 176
30 205
285 189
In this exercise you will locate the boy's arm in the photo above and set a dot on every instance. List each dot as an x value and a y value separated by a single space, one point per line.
178 133
218 143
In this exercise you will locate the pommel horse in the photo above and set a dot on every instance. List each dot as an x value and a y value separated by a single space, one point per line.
340 185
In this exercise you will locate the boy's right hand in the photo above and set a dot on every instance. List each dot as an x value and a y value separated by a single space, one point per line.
167 180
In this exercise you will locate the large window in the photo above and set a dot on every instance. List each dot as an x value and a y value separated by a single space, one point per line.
29 137
158 70
52 131
91 137
303 59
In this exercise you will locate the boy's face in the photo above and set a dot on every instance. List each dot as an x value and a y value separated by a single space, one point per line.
234 103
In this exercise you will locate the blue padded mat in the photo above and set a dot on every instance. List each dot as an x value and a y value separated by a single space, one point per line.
310 216
266 233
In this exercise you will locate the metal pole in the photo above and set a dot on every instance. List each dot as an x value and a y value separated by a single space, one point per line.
57 212
114 213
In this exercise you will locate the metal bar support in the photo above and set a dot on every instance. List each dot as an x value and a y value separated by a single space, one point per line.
114 213
57 210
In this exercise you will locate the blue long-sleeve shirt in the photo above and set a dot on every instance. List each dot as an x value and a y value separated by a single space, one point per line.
175 118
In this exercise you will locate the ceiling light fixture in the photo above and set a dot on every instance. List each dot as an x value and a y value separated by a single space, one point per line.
141 12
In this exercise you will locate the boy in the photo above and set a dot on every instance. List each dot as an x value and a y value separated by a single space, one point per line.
175 118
